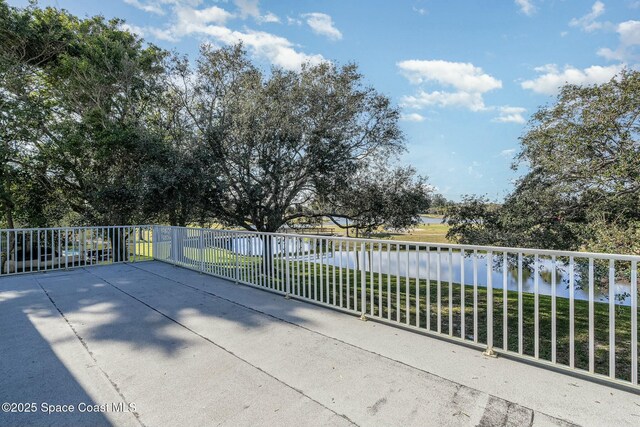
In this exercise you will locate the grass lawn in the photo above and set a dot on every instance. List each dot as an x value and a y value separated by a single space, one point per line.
433 233
392 300
397 299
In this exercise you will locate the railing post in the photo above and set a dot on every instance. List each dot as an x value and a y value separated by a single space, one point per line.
201 247
363 284
154 246
174 245
286 266
489 351
234 246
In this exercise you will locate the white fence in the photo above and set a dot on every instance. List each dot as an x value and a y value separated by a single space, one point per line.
23 250
572 310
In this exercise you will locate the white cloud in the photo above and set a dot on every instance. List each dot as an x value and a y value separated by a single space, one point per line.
161 34
157 6
629 34
270 18
469 83
412 117
588 22
211 22
526 7
322 24
552 78
471 101
190 20
134 29
293 21
509 114
151 7
473 170
463 76
508 153
420 10
158 33
278 50
250 8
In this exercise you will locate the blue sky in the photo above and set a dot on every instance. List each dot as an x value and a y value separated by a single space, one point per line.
467 74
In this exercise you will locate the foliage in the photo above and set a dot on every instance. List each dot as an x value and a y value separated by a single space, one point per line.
100 127
583 155
283 143
379 196
439 204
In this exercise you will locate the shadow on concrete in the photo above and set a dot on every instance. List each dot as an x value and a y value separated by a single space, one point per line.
30 371
134 307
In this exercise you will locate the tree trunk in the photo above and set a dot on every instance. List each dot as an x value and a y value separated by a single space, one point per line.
10 235
119 238
267 254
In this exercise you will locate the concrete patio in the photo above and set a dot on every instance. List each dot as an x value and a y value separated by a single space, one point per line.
160 345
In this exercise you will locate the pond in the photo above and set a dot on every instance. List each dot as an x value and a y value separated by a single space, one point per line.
423 219
451 266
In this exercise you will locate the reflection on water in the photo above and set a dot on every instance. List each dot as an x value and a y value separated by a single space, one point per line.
449 266
446 265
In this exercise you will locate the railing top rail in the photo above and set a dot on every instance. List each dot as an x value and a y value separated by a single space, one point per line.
482 248
85 227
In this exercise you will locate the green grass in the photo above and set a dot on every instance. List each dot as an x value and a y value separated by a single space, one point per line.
324 284
388 290
433 233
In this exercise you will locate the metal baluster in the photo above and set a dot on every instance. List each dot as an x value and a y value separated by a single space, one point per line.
380 279
363 284
398 288
571 313
536 305
428 290
340 264
505 300
520 337
489 350
450 256
417 286
407 295
475 296
463 297
388 281
439 290
612 319
634 322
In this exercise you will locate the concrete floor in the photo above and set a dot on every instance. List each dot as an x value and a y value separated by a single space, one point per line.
180 348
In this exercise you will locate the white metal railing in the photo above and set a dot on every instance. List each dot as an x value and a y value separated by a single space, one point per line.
573 310
24 250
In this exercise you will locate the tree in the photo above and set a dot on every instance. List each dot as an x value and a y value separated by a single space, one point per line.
472 221
283 142
583 156
439 204
83 133
182 183
378 196
588 141
31 40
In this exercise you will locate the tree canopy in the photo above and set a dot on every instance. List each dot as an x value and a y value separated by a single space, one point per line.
583 179
101 127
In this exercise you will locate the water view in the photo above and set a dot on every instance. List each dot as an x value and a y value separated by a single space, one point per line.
425 265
